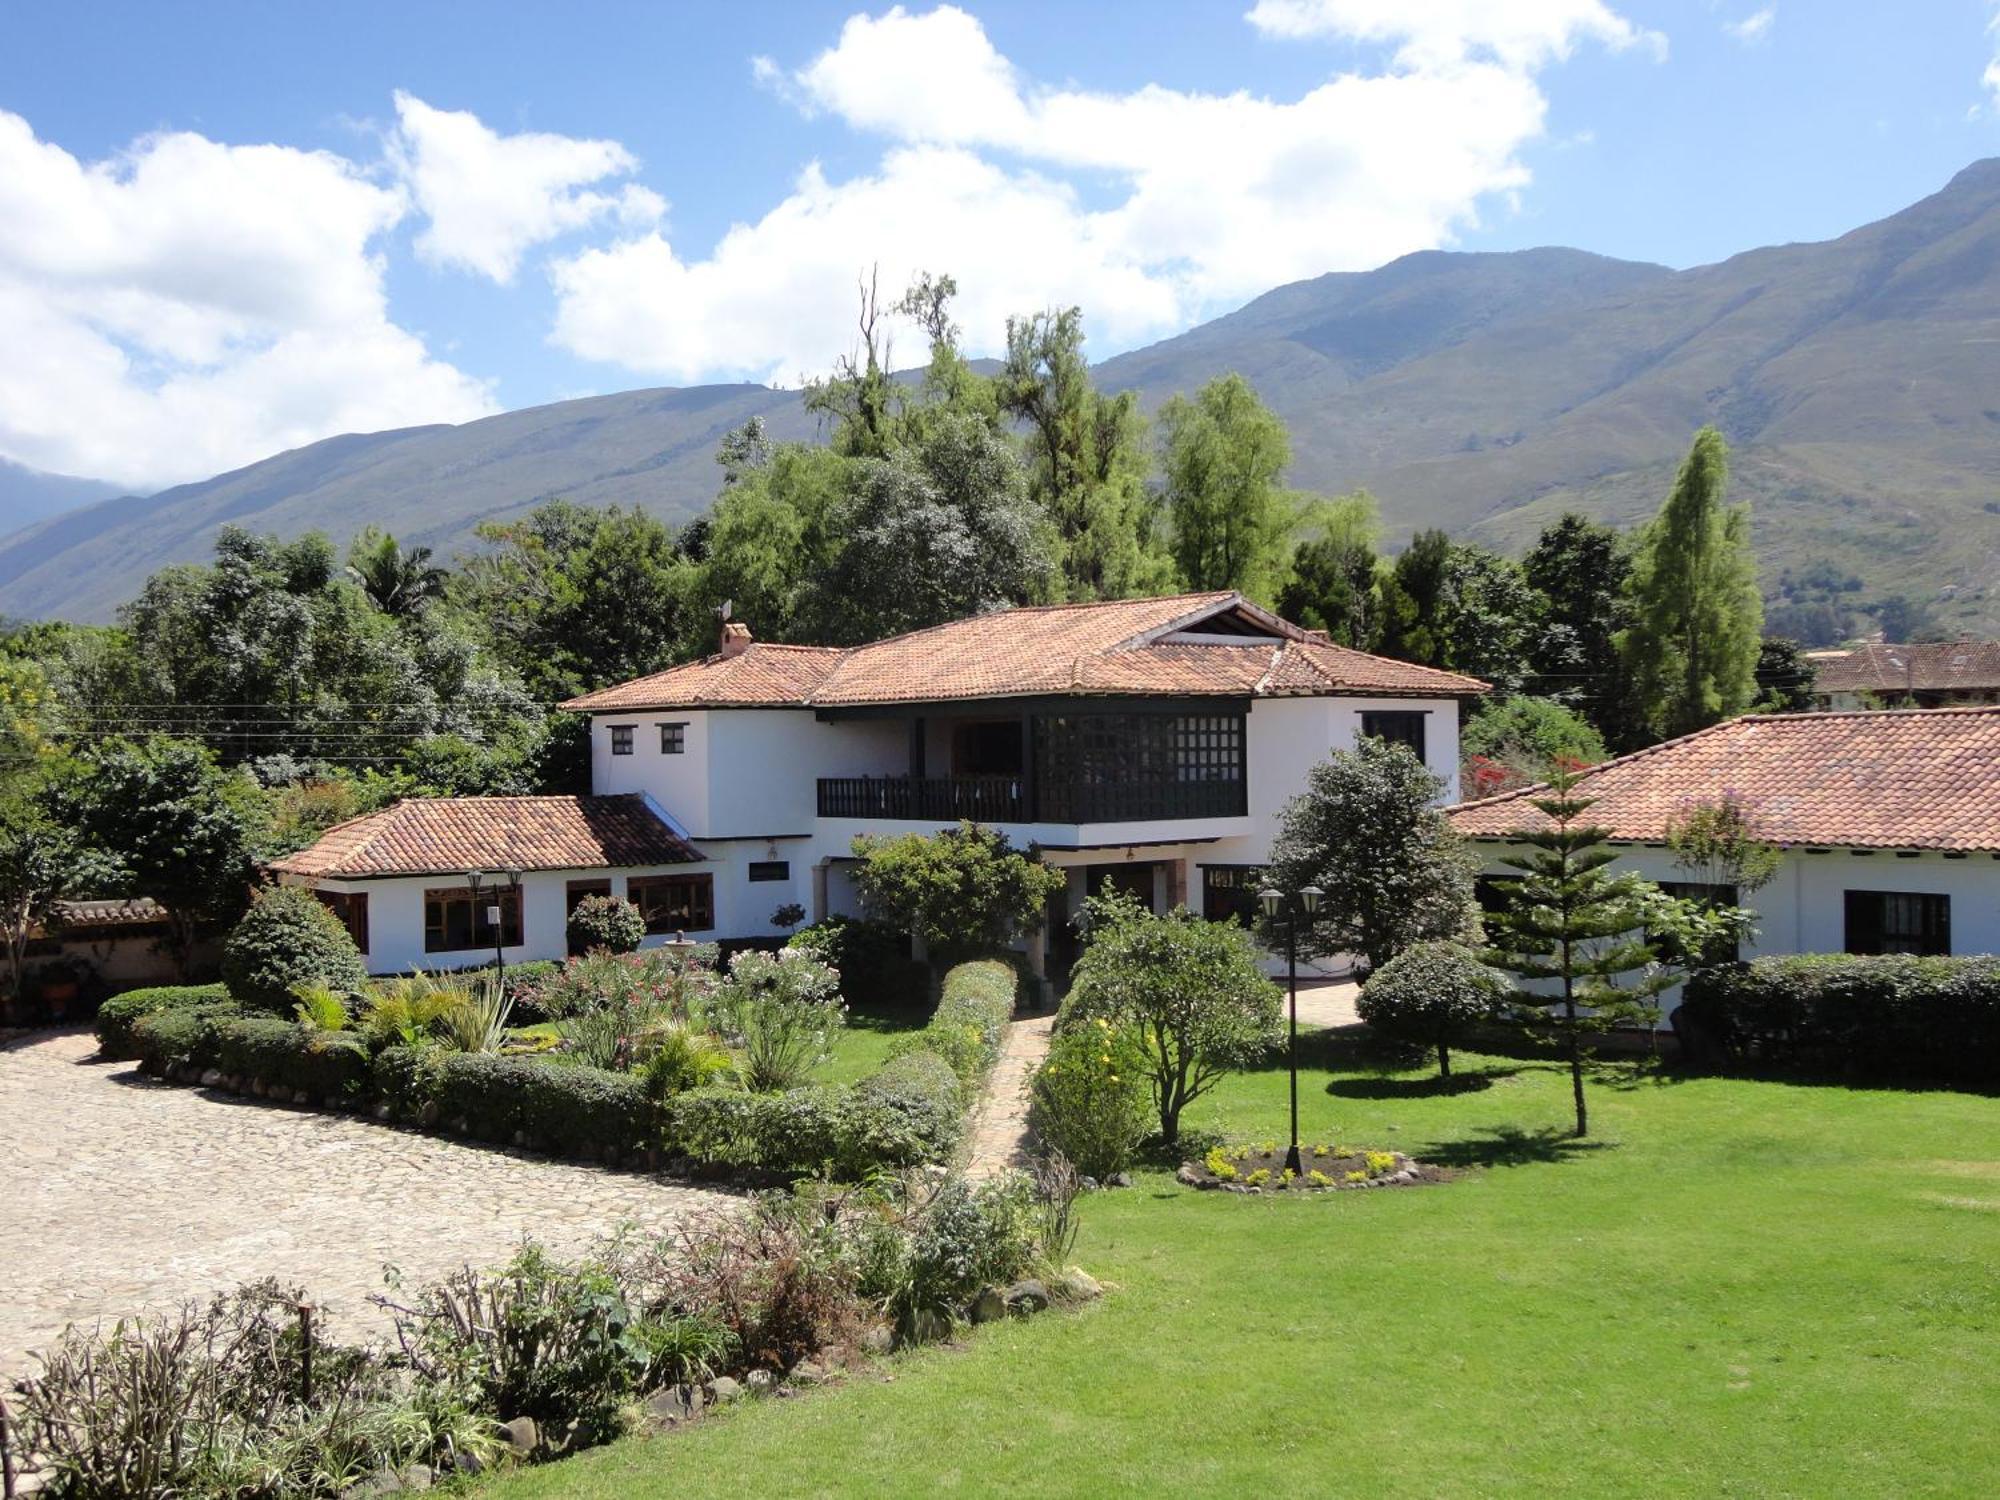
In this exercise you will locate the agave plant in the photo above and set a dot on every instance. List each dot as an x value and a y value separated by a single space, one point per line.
477 1020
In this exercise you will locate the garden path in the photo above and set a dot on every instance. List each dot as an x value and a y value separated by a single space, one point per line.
1328 1003
124 1195
1000 1135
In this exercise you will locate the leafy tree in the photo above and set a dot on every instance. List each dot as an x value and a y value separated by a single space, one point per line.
286 939
1785 677
1568 921
1087 462
775 535
1717 843
935 532
1692 646
166 821
1512 742
1581 572
1333 584
1368 833
39 866
575 598
1432 994
742 451
1189 991
1488 617
608 922
1414 606
1221 458
396 582
961 890
859 398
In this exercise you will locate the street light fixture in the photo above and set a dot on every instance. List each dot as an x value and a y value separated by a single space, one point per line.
1304 903
498 883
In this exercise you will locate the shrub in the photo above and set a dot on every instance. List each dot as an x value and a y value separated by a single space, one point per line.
1090 1098
609 924
795 1133
872 959
1894 1019
1189 991
554 1106
784 1011
962 1240
117 1016
322 1064
909 1110
1431 994
971 1017
162 1039
286 938
961 889
682 1059
655 981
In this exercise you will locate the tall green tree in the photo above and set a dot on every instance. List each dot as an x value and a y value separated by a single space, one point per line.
40 864
1334 585
161 818
1691 649
1222 457
1785 677
1581 573
1087 462
1414 602
1459 607
1367 831
1573 934
397 581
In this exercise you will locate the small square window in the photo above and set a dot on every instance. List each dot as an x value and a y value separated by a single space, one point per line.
673 739
1397 726
621 739
770 869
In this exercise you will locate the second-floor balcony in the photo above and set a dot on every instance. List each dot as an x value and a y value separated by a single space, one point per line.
1013 799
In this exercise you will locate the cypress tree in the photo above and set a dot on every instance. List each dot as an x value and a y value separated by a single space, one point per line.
1691 651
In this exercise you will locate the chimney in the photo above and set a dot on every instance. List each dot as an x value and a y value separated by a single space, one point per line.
1319 635
735 639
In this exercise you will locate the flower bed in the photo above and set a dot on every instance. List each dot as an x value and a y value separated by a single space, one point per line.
1261 1169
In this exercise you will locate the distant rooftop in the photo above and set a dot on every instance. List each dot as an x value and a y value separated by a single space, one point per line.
1926 667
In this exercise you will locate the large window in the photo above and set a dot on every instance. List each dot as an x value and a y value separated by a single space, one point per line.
1898 922
1121 767
1229 893
1397 726
455 920
674 903
352 909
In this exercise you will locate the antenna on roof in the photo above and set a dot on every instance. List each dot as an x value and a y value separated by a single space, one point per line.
722 610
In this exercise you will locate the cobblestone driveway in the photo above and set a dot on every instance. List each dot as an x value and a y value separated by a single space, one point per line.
119 1195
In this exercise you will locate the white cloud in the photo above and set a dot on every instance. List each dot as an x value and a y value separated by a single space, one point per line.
490 198
190 306
1150 208
1436 33
1990 79
1754 27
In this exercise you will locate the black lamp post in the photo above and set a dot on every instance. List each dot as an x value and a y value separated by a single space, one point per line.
1306 902
497 882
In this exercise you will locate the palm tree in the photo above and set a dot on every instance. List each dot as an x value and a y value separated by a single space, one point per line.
396 582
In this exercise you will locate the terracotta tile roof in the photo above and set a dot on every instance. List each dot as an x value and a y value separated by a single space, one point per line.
1929 667
1892 779
448 835
1118 647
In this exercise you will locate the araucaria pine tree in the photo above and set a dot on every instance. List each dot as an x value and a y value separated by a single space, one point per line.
1698 619
1574 934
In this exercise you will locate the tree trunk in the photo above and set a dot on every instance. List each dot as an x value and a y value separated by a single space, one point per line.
1444 1060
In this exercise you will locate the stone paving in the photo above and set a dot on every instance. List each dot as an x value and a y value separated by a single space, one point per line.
119 1194
1328 1003
1000 1136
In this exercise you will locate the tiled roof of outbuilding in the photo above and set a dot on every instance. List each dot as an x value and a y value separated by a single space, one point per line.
1117 648
448 835
1894 779
1929 667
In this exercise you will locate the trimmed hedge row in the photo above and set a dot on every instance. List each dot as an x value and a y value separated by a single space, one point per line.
1891 1019
909 1111
117 1016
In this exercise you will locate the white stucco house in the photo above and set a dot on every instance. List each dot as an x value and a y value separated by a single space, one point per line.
1888 822
1145 743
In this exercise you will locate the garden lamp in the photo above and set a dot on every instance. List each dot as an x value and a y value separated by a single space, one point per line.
1307 902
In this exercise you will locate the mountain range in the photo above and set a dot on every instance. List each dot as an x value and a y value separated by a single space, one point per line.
1857 380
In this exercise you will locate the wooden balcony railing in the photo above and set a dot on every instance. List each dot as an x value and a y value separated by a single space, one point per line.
1008 799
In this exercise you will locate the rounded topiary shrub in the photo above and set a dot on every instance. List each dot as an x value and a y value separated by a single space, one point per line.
1089 1098
1431 994
610 923
288 938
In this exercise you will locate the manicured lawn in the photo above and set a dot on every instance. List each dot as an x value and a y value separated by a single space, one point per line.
863 1044
1736 1288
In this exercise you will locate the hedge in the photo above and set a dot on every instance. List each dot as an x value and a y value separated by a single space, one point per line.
117 1016
318 1064
1892 1019
536 1101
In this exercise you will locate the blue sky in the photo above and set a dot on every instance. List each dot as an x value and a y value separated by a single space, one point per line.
462 208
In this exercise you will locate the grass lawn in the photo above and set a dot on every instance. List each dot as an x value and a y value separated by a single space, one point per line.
863 1044
1742 1289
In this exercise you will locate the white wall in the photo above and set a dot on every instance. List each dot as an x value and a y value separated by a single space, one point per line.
1804 908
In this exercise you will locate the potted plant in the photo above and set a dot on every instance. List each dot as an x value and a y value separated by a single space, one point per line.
59 982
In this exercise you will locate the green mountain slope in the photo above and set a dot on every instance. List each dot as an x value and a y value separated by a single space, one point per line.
1858 381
